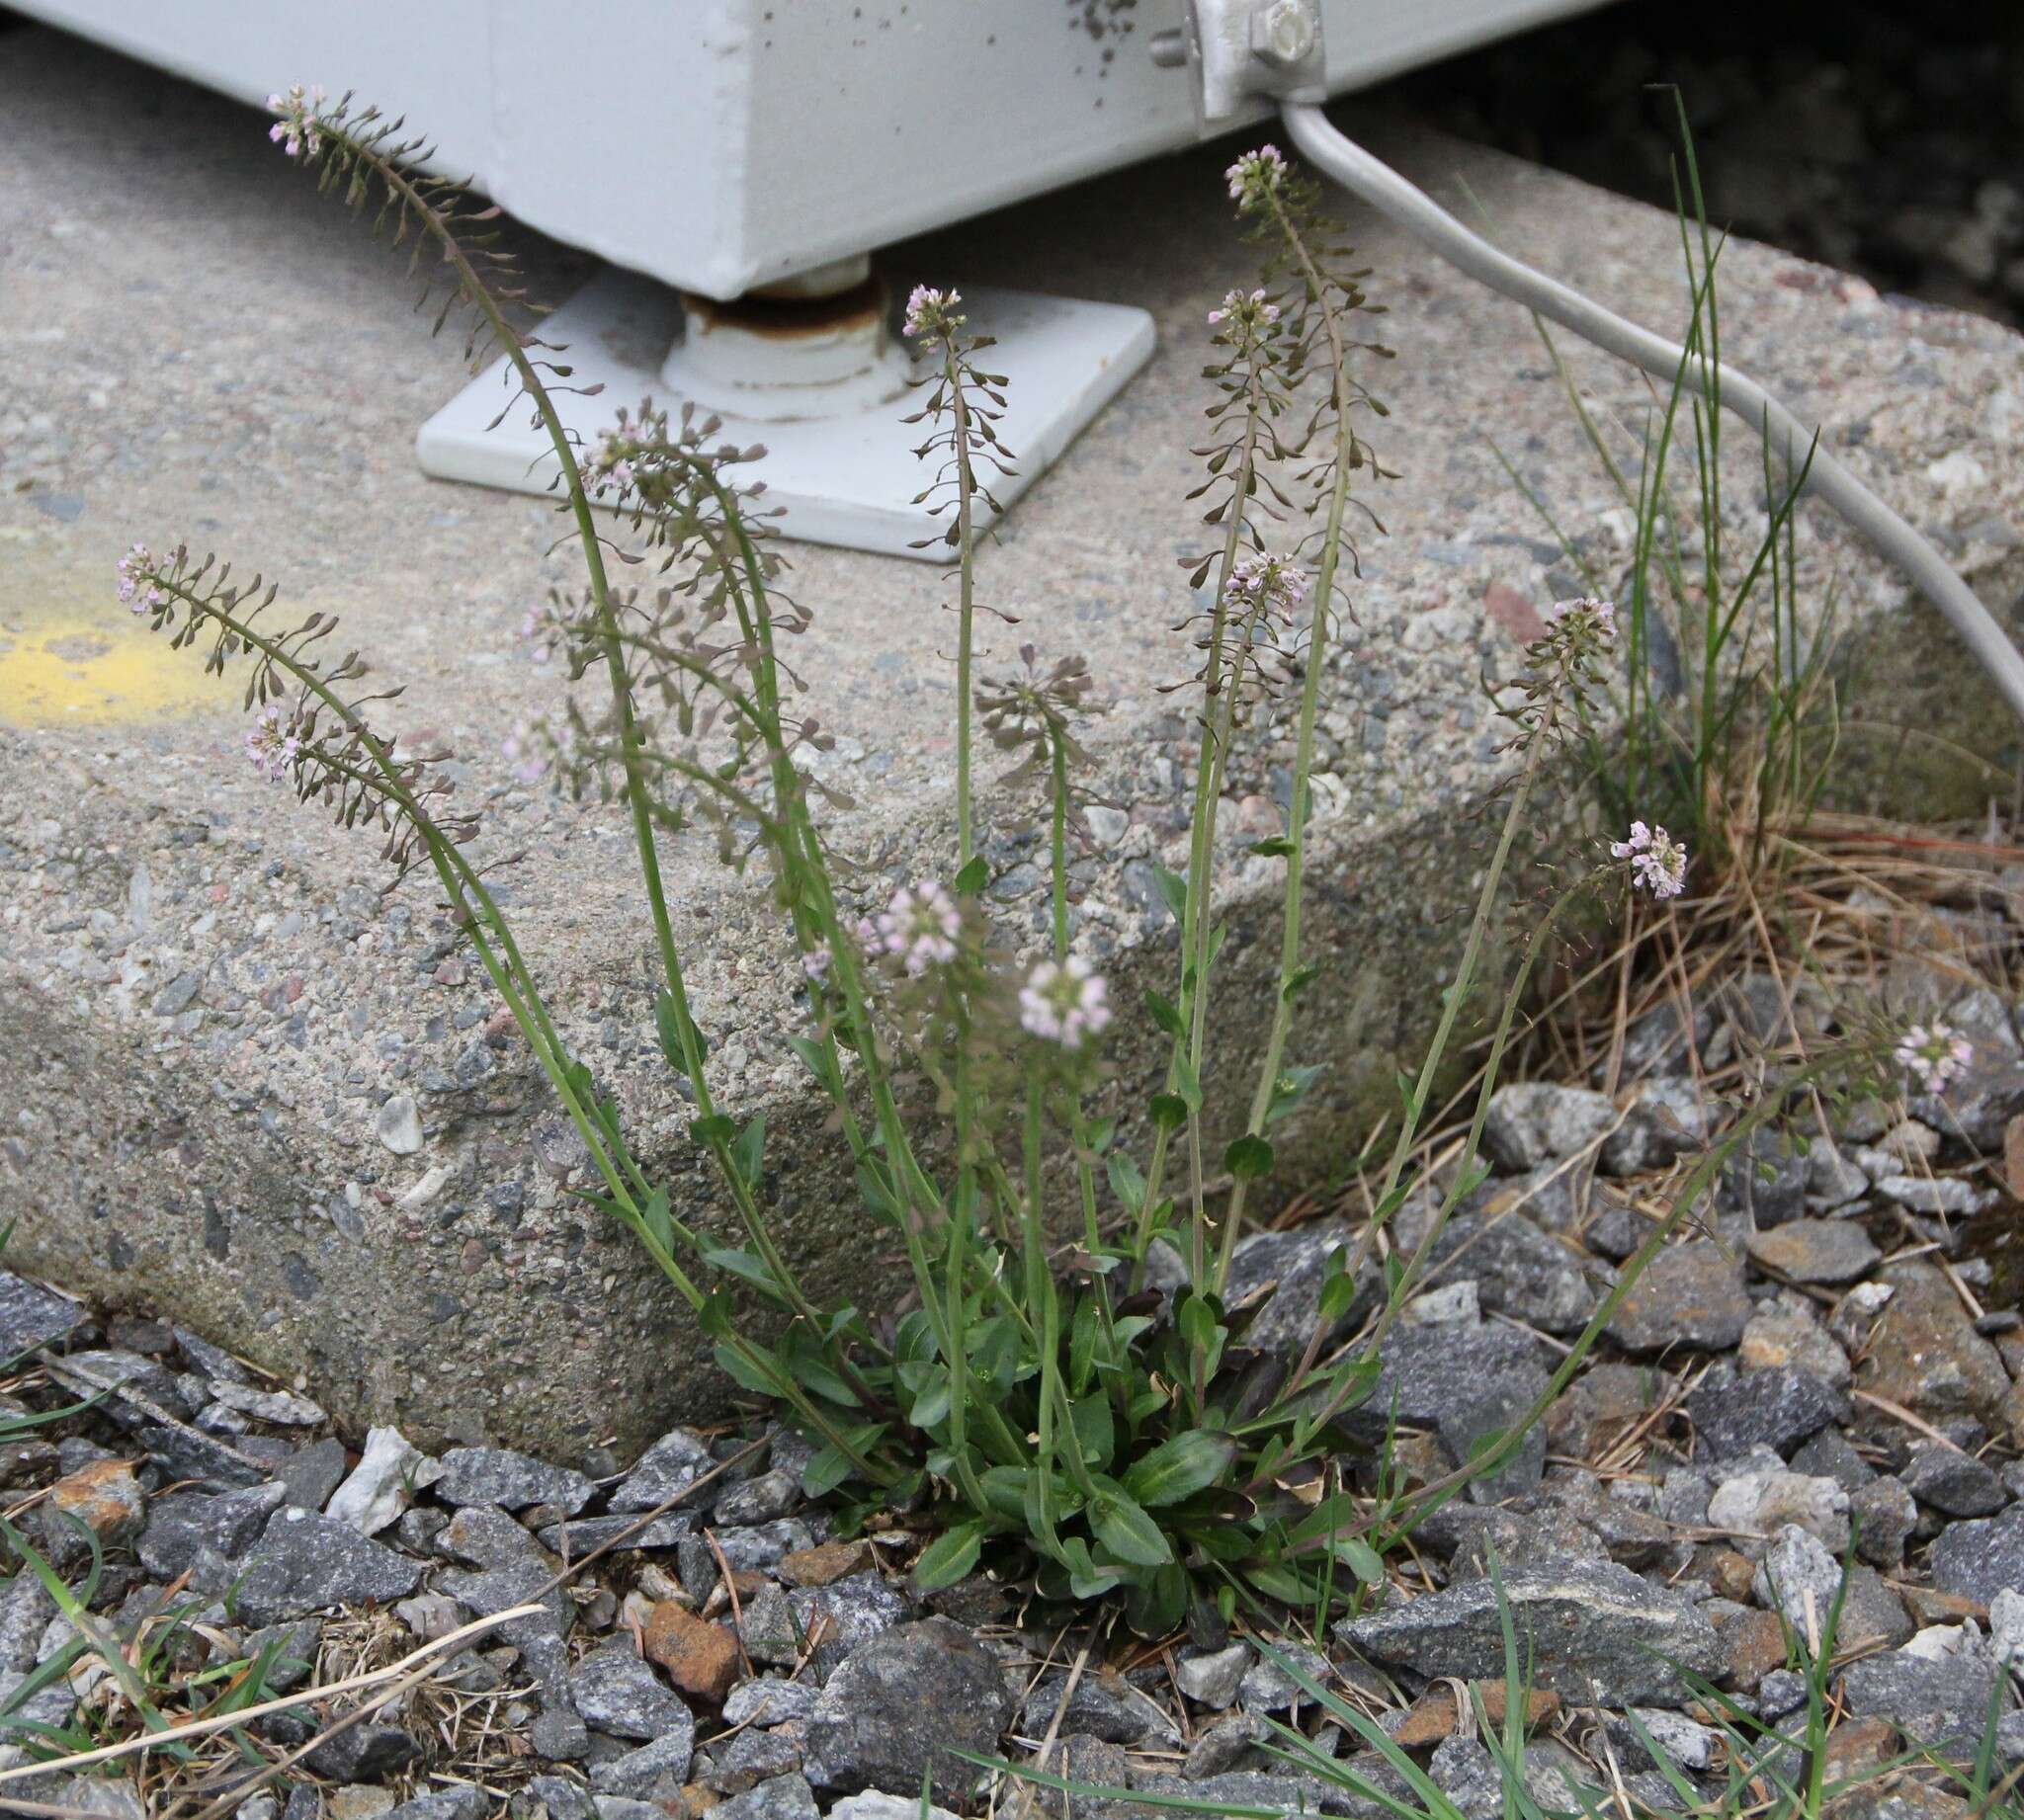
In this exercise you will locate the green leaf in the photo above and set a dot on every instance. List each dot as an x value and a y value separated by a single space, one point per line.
1187 1084
745 1265
816 1059
1127 1181
950 1556
825 1473
741 1369
1338 1290
1361 1559
1299 980
667 1023
1094 1433
1169 1110
1178 1469
1157 1602
1084 1332
1276 847
1248 1157
658 1219
973 879
1174 889
711 1132
1122 1526
1164 1013
750 1148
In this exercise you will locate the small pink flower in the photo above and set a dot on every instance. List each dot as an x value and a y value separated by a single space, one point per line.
1657 861
1271 584
298 129
271 743
1933 1054
1248 316
931 312
1254 177
137 580
1590 614
815 963
921 926
1064 1003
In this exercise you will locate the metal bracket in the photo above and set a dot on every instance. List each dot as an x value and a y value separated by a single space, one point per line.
1240 51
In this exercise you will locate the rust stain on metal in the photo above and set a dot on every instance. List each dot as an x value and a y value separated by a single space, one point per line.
790 318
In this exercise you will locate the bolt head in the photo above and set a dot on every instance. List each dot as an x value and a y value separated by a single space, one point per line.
1284 32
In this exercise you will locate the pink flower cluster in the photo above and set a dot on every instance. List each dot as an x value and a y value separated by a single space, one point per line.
1657 861
1254 177
931 312
271 742
297 128
1249 313
1063 1002
1269 584
1934 1055
1591 615
137 580
921 926
608 461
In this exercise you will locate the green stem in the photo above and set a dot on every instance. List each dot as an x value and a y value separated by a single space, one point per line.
966 488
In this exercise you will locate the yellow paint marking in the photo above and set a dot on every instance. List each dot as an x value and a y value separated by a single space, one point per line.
92 669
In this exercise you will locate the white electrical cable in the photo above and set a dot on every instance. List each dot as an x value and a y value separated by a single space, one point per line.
1377 184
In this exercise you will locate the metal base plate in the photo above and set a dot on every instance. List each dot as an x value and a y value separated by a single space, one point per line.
849 479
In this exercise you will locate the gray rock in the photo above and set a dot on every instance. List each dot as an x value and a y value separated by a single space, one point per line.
892 1710
838 1617
283 1408
1947 1195
760 1499
1954 1483
1467 1775
1764 1181
310 1474
1884 1517
1799 1579
1902 1685
399 1126
369 1751
1666 1120
1589 1627
1778 1408
1830 1455
763 1700
577 1538
390 1471
1435 1373
498 1475
1104 1705
756 1549
784 1797
876 1804
183 1522
1211 1677
462 1802
291 1650
747 1758
1686 1745
616 1691
1298 1262
1870 1613
1267 1688
305 1562
32 1316
1762 1503
1472 1536
559 1735
1982 1558
1519 1271
1472 1429
485 1536
1833 1179
560 1798
1829 1251
639 1773
675 1461
1531 1122
1688 1295
1923 1351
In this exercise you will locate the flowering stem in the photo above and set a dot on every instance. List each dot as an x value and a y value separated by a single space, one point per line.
1304 751
1196 906
966 489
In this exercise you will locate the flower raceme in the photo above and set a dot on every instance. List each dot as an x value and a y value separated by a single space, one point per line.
271 742
1245 317
1063 1002
931 312
921 927
1254 177
1659 862
1934 1054
136 587
295 131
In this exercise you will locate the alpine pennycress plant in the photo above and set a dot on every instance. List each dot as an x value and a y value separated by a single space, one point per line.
1081 1425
